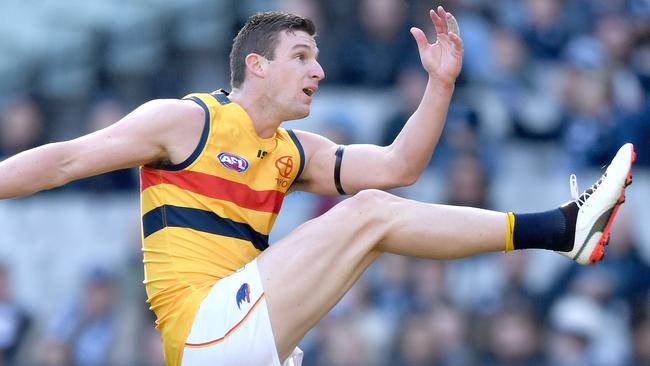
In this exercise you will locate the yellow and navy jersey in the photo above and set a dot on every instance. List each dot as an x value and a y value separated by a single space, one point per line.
211 214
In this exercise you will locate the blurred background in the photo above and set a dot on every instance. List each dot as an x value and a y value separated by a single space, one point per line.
548 88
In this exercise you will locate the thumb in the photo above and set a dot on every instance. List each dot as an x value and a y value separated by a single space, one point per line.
420 38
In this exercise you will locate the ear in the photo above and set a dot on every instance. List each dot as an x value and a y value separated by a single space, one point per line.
256 64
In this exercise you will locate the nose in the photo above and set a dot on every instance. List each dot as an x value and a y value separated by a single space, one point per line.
318 73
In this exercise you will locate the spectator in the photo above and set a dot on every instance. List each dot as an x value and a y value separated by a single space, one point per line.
21 126
151 353
545 32
449 329
589 132
103 113
641 341
14 321
343 345
514 339
414 342
469 185
575 323
376 48
624 266
428 281
411 83
393 295
85 334
337 128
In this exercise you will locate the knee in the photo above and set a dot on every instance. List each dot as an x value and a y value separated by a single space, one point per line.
367 214
371 203
370 197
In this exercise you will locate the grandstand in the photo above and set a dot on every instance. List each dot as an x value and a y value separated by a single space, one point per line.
548 88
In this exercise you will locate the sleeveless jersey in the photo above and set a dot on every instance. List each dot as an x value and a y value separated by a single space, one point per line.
211 214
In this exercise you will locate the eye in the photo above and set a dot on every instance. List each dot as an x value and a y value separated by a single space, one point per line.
301 56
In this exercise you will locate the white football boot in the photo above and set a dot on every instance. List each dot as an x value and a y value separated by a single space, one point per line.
597 207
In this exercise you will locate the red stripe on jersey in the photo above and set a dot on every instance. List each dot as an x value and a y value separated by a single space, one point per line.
214 187
149 178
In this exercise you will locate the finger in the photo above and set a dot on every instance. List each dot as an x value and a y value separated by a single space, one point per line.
420 38
457 41
442 14
452 24
438 22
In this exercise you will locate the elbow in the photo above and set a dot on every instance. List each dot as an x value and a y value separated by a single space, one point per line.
405 174
403 177
62 173
60 178
408 178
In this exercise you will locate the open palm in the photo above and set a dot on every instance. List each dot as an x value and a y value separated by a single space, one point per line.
444 58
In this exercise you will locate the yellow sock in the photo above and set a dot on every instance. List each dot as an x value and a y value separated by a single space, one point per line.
510 230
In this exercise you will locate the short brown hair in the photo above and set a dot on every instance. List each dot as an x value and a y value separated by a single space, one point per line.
260 35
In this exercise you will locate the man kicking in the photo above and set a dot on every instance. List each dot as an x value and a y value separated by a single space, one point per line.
215 168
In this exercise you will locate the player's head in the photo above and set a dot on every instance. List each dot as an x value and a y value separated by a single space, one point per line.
260 35
277 52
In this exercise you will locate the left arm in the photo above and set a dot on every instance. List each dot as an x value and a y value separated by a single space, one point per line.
402 162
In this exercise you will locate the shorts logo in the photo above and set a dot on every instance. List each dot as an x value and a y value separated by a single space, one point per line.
233 162
284 166
244 294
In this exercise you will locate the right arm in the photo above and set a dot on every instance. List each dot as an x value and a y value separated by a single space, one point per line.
367 166
143 136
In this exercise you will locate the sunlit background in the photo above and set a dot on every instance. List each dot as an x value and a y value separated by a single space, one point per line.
548 88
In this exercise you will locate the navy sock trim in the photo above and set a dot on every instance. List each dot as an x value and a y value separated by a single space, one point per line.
553 230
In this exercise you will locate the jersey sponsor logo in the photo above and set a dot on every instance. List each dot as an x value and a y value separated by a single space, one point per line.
243 294
233 162
284 166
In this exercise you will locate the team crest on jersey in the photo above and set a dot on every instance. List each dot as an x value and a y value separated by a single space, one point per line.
233 162
244 294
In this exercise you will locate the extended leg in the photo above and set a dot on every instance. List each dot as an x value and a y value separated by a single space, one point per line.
306 273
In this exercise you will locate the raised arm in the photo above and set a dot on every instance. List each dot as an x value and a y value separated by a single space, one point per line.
143 136
402 162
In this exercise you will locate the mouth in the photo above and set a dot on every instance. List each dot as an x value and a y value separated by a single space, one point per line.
309 91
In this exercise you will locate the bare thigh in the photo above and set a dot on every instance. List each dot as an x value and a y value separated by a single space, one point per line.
306 273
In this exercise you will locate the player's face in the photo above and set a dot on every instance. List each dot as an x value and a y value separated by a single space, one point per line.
294 74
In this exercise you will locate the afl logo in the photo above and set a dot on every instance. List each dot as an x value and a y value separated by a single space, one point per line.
233 162
285 166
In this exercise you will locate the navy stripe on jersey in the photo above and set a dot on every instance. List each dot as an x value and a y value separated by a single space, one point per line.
200 220
300 151
221 97
199 147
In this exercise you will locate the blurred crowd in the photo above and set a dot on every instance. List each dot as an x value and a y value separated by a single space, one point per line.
572 75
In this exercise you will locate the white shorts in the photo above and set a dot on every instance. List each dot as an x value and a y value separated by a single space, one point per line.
232 325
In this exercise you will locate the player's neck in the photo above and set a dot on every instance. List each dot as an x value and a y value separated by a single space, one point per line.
264 119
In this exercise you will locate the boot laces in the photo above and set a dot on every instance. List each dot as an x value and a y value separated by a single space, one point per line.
580 199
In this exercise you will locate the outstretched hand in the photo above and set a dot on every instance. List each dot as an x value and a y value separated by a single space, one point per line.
444 58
